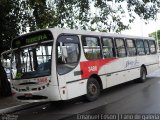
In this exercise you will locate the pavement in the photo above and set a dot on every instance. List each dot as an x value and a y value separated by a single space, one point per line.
10 101
7 104
10 104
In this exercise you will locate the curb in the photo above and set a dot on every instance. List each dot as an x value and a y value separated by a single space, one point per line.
19 108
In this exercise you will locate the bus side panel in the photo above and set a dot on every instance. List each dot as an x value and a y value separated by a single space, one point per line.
97 67
71 84
115 73
149 61
76 89
152 63
122 70
104 81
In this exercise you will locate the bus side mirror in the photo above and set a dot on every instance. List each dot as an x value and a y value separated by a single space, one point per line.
5 60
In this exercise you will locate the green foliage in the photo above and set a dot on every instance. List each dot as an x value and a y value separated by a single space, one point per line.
101 15
156 35
12 21
6 22
19 16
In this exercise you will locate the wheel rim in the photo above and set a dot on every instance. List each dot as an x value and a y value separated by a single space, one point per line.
92 88
143 75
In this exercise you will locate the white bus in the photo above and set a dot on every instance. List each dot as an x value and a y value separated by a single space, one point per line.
60 64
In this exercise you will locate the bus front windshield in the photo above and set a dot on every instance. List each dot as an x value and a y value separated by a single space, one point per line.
33 61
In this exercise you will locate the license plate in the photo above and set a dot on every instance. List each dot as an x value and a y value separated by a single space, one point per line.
28 95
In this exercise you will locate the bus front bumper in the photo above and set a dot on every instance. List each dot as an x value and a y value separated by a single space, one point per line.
50 93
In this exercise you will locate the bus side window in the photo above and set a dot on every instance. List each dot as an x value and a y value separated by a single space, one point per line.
146 45
120 47
131 48
140 47
152 46
91 46
108 47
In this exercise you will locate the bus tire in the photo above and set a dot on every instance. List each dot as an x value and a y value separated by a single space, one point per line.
93 89
143 74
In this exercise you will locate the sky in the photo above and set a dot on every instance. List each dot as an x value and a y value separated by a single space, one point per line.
139 28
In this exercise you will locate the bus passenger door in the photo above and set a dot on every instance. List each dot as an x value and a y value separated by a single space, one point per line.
68 55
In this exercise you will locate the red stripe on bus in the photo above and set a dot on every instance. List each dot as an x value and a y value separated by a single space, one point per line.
93 66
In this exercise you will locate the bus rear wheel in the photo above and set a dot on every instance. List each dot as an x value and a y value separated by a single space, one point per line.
93 89
143 74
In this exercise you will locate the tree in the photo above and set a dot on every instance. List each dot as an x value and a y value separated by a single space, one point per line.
99 15
156 35
4 37
17 16
11 17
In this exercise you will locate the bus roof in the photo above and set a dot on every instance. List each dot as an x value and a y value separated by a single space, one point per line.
85 32
6 52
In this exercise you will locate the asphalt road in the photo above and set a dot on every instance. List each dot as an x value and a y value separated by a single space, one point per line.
129 98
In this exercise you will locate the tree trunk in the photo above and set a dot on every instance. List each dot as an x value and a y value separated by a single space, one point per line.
5 88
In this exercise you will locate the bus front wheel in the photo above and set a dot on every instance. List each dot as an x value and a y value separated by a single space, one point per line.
93 89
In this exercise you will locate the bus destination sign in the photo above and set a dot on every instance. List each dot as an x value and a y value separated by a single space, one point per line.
31 38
